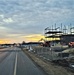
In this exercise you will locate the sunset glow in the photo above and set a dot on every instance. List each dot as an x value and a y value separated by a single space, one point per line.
3 41
34 37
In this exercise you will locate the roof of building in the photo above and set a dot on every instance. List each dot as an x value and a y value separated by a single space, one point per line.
53 32
52 36
59 36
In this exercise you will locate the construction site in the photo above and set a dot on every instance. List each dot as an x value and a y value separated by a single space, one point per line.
58 46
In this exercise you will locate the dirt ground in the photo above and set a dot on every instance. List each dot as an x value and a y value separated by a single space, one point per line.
49 67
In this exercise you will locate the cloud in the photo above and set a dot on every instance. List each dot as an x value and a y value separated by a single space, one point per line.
27 17
3 41
33 37
1 16
9 20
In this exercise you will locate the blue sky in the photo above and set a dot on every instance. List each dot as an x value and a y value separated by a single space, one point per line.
20 19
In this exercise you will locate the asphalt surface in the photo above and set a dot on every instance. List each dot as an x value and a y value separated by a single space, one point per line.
14 62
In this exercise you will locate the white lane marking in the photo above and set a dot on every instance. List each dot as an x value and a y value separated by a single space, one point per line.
15 66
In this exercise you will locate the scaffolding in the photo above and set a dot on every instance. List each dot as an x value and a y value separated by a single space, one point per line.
60 32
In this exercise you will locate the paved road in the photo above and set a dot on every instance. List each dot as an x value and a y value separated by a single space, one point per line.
14 62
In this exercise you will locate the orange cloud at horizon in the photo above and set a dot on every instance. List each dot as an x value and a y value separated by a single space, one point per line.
33 37
10 41
3 41
28 38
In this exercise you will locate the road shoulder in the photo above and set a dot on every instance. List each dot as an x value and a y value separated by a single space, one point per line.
48 67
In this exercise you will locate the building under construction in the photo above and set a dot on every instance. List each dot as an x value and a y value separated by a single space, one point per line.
64 33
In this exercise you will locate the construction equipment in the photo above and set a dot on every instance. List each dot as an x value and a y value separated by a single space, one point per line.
45 43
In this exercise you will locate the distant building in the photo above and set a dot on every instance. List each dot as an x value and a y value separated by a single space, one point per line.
67 38
30 44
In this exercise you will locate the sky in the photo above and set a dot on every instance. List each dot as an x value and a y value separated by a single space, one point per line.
25 20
